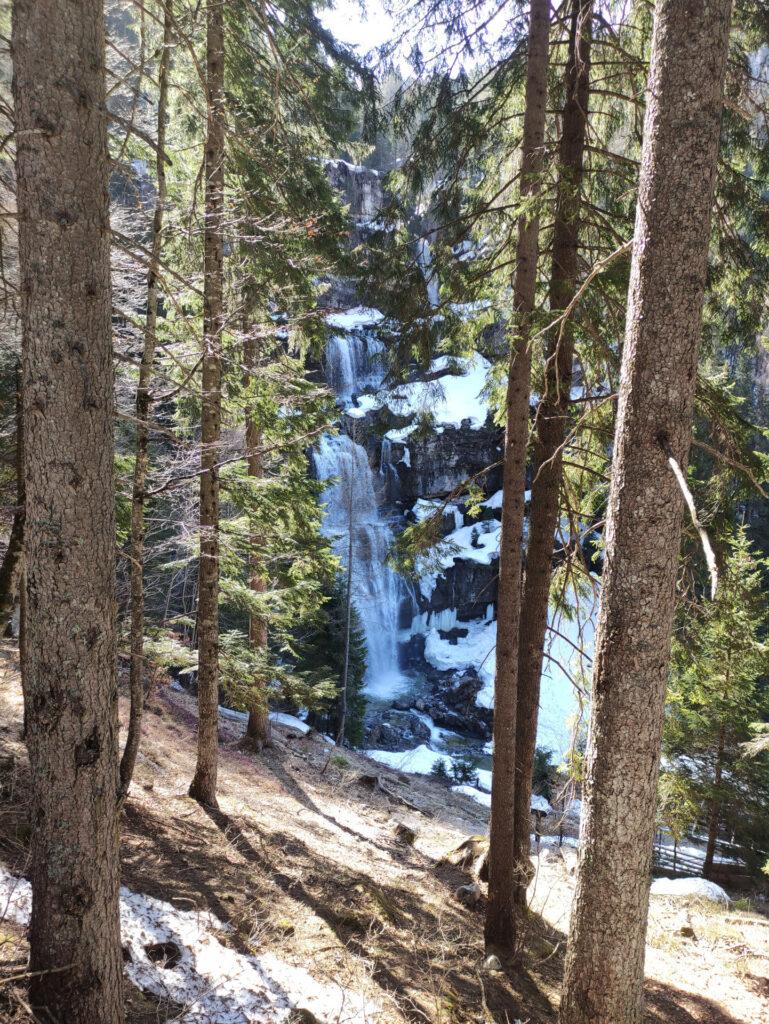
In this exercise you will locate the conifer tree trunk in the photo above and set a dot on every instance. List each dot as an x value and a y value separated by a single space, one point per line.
715 807
11 568
501 926
605 956
203 786
143 411
258 731
68 661
551 430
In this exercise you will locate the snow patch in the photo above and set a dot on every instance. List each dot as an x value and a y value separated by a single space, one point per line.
450 399
355 318
211 981
683 888
476 650
474 794
289 720
419 761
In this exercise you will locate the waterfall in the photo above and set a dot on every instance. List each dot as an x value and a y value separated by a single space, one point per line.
425 261
353 362
376 588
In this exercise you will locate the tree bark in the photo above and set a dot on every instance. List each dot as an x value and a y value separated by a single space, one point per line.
605 957
715 806
69 658
552 419
501 928
258 731
143 411
11 569
203 786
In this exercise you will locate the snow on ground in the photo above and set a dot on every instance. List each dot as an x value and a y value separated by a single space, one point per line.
233 716
401 434
366 403
355 318
682 888
476 650
495 501
275 716
450 399
419 761
424 508
211 981
290 720
478 542
474 794
538 803
558 698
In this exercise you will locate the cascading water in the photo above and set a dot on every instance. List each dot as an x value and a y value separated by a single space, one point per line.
353 361
351 505
425 261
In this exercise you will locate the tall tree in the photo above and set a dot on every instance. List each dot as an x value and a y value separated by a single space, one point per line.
500 928
68 670
11 569
552 420
203 786
143 410
603 980
258 726
716 693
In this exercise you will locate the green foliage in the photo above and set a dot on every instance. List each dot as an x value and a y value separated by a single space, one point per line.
463 770
677 811
544 772
716 694
440 772
320 656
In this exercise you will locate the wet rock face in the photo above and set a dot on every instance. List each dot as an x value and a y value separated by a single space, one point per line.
397 730
441 462
470 587
360 187
453 706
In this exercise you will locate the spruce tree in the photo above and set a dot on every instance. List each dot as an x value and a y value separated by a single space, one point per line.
717 692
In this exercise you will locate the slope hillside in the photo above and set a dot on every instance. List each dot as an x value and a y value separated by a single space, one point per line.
303 897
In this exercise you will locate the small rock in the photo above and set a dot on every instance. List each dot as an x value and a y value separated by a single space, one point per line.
405 834
468 894
165 954
683 927
367 780
492 964
303 1016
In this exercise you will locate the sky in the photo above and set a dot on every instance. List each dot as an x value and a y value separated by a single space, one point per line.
356 27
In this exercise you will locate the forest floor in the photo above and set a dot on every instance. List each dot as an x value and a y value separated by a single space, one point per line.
302 861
